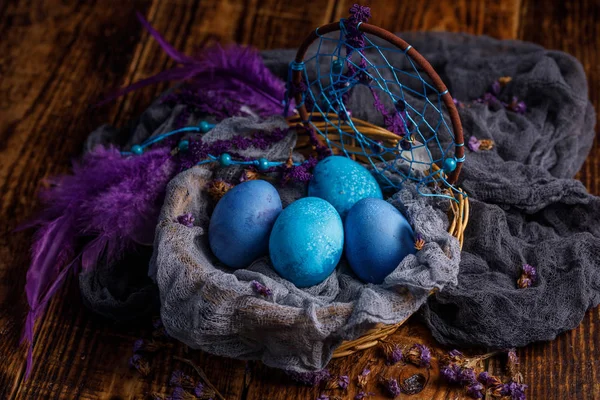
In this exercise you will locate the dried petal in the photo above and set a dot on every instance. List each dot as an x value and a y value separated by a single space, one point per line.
486 144
419 355
218 188
261 289
451 373
466 376
504 80
343 381
473 143
475 390
390 385
363 378
392 352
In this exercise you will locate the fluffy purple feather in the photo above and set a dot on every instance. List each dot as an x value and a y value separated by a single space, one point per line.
107 205
236 74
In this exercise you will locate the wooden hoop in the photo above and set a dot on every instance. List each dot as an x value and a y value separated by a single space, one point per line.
417 58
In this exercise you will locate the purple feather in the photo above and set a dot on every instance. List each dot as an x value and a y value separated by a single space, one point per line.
235 73
107 205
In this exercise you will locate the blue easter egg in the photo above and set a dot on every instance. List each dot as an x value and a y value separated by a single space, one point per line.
342 182
307 241
377 237
241 223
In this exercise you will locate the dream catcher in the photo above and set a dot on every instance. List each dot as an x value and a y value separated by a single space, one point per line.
417 136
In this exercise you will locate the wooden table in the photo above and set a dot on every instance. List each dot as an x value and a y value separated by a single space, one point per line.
57 57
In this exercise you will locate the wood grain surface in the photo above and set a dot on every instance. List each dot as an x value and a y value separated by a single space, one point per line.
57 57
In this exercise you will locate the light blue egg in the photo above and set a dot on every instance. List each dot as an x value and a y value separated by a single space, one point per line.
378 237
342 182
307 241
242 221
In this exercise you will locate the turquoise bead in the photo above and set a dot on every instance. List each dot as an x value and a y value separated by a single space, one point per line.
137 149
262 164
205 126
184 145
225 160
449 164
337 67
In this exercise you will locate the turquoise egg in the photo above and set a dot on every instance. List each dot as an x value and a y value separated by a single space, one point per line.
307 241
342 182
378 237
241 223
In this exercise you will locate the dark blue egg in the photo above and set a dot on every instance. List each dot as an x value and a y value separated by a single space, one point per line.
307 241
242 221
342 182
377 238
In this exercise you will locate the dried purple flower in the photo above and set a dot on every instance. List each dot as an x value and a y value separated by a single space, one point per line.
457 102
530 271
363 378
516 391
261 289
475 390
528 276
309 378
390 385
363 395
180 394
392 352
495 88
524 282
466 376
517 106
186 220
178 378
488 380
456 355
137 345
199 389
473 144
343 381
142 345
450 373
323 396
140 364
419 355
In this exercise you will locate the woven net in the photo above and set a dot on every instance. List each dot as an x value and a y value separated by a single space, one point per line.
419 133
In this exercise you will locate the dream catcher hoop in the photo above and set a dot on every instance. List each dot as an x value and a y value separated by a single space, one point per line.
419 143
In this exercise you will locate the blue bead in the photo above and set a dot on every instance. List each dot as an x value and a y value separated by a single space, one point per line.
262 164
205 126
225 160
184 145
449 164
337 67
137 149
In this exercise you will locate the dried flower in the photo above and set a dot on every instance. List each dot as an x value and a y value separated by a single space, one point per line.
343 381
495 88
363 395
203 392
140 364
504 80
475 390
392 352
309 378
486 144
261 289
450 373
517 106
323 396
390 385
363 378
456 355
178 378
488 380
217 189
528 276
457 103
466 376
513 363
473 143
419 242
249 175
419 355
516 391
500 390
186 220
180 394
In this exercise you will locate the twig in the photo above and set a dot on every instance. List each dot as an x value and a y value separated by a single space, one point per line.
201 373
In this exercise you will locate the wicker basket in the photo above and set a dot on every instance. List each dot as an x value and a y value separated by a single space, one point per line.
459 209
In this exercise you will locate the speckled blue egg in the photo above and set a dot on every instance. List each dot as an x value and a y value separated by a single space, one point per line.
377 237
307 241
241 223
342 182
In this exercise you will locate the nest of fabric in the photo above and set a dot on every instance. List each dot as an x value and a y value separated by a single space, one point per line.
219 310
525 208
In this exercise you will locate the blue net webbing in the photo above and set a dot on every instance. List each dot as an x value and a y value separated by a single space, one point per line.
403 95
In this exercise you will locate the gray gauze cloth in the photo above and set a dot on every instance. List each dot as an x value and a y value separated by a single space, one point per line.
216 309
525 206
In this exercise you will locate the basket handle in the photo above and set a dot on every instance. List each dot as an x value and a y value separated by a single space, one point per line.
417 58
